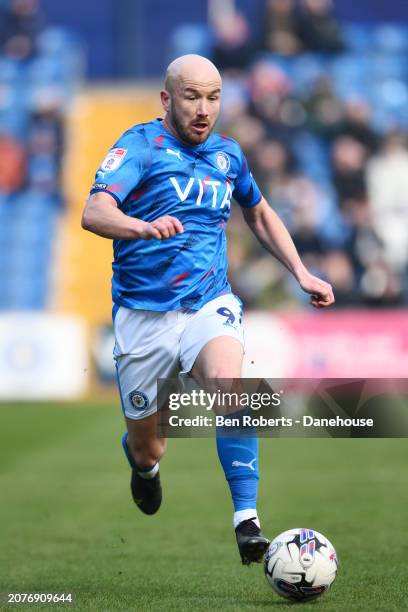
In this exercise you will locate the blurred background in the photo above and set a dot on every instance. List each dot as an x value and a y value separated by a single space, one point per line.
316 92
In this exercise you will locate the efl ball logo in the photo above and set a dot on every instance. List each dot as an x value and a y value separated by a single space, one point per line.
113 159
223 161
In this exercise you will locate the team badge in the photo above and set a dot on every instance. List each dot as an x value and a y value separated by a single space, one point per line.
113 159
223 161
139 400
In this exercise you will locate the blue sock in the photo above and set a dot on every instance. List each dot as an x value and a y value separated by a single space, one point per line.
147 473
238 455
126 450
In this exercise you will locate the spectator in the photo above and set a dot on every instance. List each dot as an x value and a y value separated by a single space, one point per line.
362 245
271 101
325 111
280 28
232 49
249 131
356 124
12 164
348 158
387 178
273 164
337 269
318 29
45 142
22 24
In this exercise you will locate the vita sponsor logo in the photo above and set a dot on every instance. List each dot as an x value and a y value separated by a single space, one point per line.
197 186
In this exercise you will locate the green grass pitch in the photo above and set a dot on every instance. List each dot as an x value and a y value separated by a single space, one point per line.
67 522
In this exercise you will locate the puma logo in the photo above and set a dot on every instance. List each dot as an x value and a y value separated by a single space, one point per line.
241 464
176 153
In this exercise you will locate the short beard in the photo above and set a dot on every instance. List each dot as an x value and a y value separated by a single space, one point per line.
182 134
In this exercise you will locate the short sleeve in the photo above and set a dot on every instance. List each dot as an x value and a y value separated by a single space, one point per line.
123 168
246 191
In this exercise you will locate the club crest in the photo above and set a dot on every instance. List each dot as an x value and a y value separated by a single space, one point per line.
223 161
139 400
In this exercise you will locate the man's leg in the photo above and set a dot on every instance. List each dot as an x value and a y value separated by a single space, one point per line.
219 361
144 449
146 349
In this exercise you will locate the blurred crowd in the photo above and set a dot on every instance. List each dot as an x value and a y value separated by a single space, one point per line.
31 129
39 68
320 109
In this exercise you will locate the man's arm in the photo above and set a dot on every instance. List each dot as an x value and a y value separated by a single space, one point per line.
102 216
274 236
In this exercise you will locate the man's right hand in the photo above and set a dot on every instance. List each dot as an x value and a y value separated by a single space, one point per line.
160 229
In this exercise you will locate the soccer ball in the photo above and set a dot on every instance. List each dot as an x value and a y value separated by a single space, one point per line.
300 564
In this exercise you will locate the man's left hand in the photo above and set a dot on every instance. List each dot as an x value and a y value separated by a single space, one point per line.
321 292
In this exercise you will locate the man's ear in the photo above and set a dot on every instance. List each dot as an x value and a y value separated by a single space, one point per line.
165 99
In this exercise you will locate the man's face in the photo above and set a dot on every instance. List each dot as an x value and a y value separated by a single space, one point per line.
192 109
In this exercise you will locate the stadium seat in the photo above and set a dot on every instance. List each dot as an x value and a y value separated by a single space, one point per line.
391 38
381 66
46 70
56 41
391 94
306 69
350 74
26 246
191 38
312 156
359 38
10 70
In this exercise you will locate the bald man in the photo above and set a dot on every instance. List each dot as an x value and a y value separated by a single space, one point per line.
163 193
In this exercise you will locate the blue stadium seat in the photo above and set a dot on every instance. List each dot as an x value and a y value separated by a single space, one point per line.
286 64
390 105
56 41
14 121
312 156
10 70
45 71
391 38
306 69
359 38
351 75
191 38
389 66
390 94
26 249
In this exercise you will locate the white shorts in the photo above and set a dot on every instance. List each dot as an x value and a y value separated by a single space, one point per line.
151 345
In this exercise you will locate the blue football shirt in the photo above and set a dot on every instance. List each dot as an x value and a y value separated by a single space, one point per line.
151 174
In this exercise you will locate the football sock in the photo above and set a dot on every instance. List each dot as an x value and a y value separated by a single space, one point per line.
244 515
238 455
146 473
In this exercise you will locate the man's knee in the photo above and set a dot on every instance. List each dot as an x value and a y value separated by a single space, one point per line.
223 373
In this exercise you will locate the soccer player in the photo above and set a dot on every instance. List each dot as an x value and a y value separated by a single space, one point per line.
163 193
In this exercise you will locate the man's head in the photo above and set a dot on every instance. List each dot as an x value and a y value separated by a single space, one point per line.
191 98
